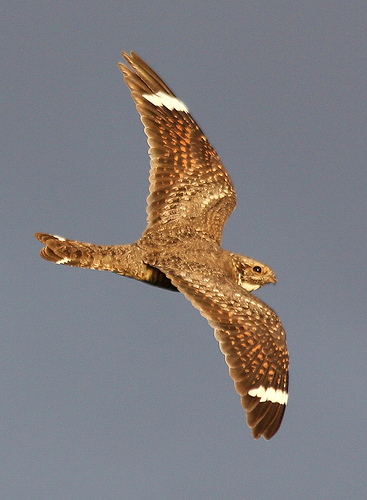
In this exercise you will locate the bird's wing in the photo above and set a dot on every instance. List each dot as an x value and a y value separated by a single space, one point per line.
188 182
249 333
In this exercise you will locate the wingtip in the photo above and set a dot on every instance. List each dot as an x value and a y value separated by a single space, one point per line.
41 237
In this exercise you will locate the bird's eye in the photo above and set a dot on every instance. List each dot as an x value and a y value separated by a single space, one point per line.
257 269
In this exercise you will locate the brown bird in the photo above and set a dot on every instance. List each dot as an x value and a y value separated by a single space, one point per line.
191 198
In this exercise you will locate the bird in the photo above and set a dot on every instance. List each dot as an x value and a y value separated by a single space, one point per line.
191 197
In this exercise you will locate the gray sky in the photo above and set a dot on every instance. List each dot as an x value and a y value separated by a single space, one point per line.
112 389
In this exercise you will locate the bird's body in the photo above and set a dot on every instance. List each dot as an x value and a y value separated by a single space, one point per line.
191 198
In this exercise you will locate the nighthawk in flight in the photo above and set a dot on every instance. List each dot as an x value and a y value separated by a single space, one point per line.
191 197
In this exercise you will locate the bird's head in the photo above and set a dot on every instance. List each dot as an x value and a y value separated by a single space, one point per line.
252 274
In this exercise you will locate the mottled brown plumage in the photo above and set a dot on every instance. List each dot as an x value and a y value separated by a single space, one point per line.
191 198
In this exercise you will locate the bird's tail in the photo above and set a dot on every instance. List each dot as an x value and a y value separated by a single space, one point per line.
126 260
73 253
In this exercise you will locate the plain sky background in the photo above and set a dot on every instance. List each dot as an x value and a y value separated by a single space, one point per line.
111 389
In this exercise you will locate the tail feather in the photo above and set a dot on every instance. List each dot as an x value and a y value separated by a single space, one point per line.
127 260
72 253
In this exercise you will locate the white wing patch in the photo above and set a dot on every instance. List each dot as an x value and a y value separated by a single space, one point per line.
65 260
169 102
269 394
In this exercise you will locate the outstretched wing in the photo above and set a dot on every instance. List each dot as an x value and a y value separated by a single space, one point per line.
250 335
188 182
